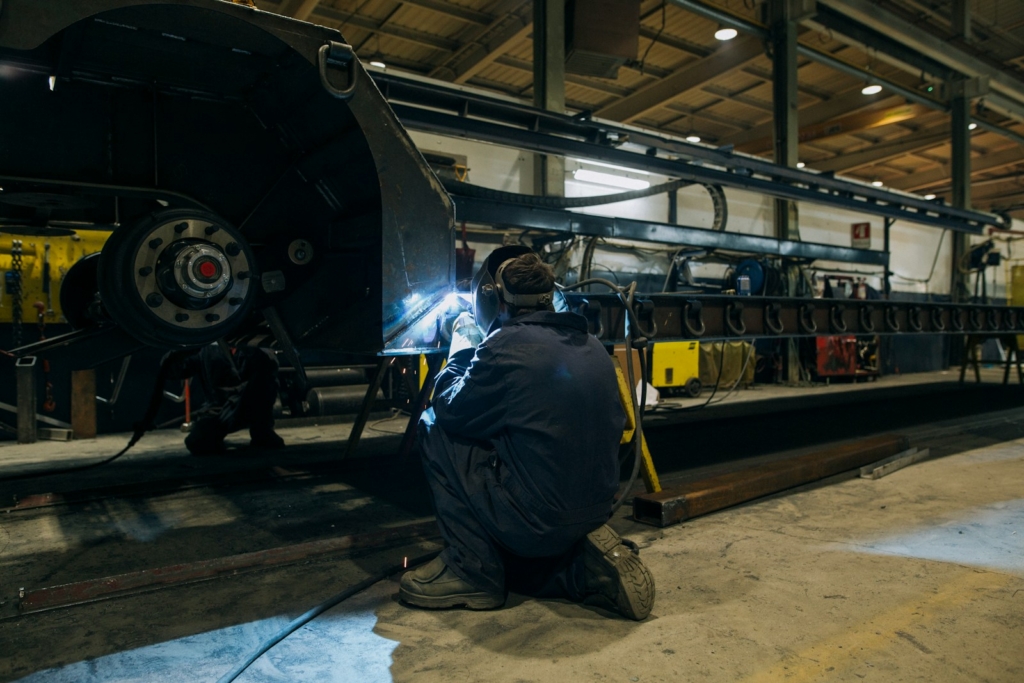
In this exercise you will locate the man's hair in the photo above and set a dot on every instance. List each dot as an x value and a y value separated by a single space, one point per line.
527 274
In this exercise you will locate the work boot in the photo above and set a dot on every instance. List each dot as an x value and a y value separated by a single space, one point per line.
614 571
435 586
206 438
267 441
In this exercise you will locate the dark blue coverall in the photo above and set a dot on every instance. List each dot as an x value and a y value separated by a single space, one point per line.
521 452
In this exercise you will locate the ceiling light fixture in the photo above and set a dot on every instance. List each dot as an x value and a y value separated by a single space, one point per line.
929 196
692 138
588 176
725 33
800 164
379 64
876 183
871 89
972 126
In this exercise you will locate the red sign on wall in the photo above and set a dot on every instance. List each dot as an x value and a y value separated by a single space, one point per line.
861 233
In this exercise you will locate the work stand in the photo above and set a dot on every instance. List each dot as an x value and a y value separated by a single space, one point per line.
972 348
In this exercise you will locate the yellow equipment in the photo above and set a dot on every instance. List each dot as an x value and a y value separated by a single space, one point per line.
64 251
676 365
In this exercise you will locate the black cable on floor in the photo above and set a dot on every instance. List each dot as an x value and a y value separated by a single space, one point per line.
297 623
141 427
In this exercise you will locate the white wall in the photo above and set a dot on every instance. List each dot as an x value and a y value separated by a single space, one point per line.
913 246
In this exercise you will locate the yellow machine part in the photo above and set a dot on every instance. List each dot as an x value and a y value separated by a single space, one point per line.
673 364
64 252
1016 294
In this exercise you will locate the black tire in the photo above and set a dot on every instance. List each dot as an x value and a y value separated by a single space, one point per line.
78 291
122 298
693 387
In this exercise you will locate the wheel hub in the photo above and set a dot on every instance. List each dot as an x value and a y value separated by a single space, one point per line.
201 271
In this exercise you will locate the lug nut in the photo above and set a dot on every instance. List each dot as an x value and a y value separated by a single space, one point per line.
210 229
155 300
232 249
244 274
235 301
212 317
145 270
155 242
181 317
181 227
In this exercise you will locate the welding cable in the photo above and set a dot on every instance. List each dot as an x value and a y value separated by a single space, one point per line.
743 370
627 296
297 623
141 427
457 187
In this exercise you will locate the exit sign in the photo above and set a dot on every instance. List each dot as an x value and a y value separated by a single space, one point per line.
861 233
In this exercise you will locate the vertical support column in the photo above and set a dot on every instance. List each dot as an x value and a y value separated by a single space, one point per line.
673 207
83 404
786 138
886 287
25 372
786 133
960 106
549 86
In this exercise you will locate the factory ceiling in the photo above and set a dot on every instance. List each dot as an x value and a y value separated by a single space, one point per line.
686 82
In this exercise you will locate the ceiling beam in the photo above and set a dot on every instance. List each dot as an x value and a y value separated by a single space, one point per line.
450 9
729 56
844 103
298 9
942 50
844 125
940 177
883 152
513 22
373 26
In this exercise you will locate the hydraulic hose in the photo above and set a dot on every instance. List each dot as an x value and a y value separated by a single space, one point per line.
477 192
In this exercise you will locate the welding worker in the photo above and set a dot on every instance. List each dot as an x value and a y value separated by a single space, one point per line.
520 448
240 387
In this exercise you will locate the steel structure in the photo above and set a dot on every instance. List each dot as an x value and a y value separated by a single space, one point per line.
456 112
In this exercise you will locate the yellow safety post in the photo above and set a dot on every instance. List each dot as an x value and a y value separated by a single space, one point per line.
647 471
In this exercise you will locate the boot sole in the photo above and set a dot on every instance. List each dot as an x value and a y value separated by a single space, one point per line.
475 601
635 595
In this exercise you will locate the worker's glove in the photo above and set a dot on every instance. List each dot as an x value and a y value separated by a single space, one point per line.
466 334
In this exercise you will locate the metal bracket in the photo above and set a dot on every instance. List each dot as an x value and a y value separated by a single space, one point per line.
694 307
835 318
735 311
335 55
773 319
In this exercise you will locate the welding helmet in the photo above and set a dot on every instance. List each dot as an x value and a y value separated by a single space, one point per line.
489 288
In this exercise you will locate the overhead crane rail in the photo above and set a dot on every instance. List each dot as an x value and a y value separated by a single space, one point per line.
451 111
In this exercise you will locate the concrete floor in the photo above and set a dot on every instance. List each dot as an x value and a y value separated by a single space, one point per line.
916 576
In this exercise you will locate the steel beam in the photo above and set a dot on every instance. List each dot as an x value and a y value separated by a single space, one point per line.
421 105
731 55
843 125
849 102
689 317
785 100
878 153
961 180
549 87
932 46
501 214
939 178
512 24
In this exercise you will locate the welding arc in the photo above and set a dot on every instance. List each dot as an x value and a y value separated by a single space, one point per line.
141 427
297 623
